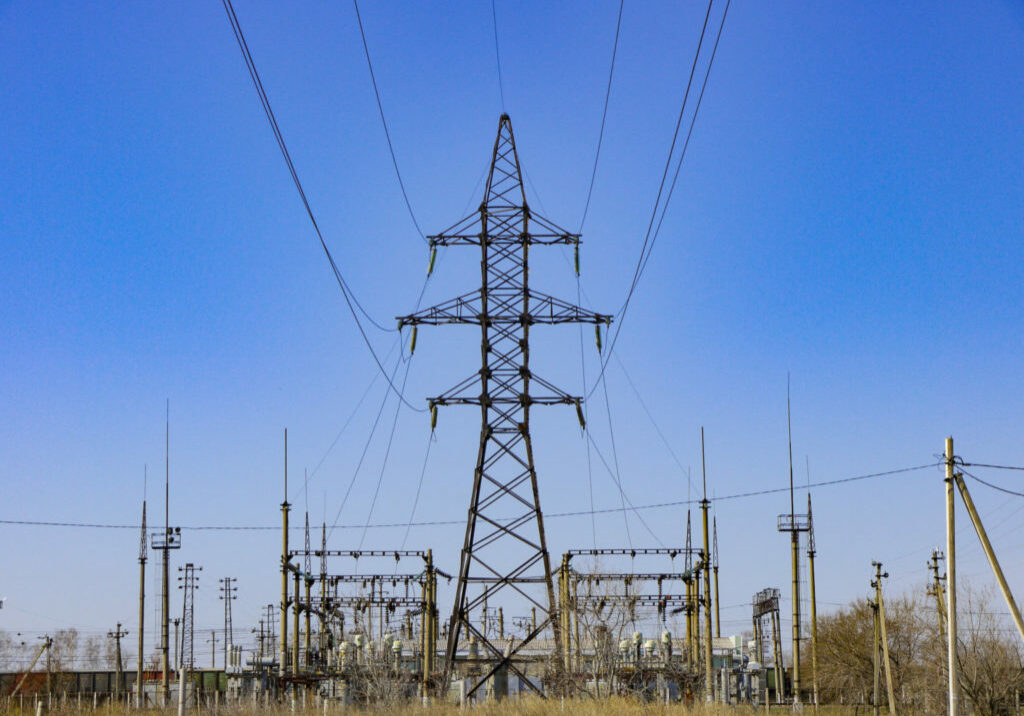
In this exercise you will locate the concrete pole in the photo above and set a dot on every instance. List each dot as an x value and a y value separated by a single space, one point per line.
885 638
990 553
876 692
282 667
951 632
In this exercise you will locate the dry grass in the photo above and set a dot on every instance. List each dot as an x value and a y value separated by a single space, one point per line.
521 707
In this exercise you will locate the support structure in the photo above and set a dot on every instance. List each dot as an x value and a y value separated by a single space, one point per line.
140 693
505 549
951 658
882 641
811 552
282 664
766 604
794 524
993 562
164 542
117 635
189 584
228 593
705 505
714 568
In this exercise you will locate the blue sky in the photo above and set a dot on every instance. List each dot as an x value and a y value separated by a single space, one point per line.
849 212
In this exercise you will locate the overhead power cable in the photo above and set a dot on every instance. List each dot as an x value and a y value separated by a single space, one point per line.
350 299
994 467
604 116
387 134
577 513
651 234
992 485
497 54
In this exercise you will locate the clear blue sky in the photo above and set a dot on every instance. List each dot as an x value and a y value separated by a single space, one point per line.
849 211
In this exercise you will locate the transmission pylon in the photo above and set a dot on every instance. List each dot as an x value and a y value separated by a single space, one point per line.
508 554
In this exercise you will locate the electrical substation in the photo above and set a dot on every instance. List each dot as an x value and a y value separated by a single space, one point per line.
514 613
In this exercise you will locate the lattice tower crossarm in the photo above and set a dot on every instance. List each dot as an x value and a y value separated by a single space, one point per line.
503 555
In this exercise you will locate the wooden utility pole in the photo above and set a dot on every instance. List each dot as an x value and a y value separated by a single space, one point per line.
951 633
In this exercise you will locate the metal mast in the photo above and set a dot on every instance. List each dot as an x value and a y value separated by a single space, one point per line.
143 554
503 555
229 592
189 583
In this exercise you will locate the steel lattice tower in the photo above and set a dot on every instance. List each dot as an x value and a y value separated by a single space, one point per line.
505 549
189 583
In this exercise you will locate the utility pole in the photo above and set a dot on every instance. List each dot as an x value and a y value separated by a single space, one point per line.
177 643
48 645
705 505
882 643
282 667
140 694
213 650
993 562
951 634
811 552
498 555
117 635
228 593
307 579
937 590
164 542
714 567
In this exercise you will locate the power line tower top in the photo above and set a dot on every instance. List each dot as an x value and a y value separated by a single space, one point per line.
505 549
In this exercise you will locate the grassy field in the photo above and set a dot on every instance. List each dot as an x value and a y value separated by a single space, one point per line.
523 707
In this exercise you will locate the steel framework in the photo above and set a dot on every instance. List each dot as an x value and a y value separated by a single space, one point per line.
189 583
508 553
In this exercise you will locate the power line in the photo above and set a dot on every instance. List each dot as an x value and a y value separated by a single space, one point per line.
350 299
387 134
384 463
362 456
651 235
419 488
604 116
497 55
994 487
431 523
994 467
